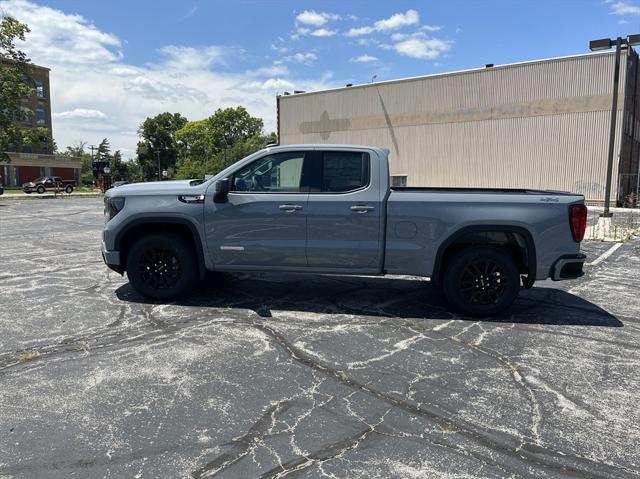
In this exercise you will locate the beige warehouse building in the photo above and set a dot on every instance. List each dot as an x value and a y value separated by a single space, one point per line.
540 124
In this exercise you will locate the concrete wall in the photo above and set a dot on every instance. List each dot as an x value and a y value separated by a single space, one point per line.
542 124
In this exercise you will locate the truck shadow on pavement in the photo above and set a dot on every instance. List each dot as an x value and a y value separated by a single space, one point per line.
265 293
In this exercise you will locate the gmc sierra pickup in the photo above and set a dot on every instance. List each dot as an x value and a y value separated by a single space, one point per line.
330 209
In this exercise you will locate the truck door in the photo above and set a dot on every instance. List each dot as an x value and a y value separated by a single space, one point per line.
344 213
264 222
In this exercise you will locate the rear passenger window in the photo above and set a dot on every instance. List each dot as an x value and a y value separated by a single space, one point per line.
344 171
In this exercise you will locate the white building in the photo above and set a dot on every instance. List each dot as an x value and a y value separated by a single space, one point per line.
538 124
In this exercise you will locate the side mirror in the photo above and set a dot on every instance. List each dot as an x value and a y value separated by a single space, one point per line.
221 191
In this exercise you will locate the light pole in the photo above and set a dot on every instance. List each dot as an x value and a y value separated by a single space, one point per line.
606 44
158 155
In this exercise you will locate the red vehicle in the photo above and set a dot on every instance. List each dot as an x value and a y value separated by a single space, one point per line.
49 183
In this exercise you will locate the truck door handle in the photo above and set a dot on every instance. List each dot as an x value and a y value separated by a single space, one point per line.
362 208
290 208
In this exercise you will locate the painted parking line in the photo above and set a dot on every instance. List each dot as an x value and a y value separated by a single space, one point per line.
605 255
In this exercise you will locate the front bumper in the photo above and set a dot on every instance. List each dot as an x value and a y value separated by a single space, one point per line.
111 259
568 267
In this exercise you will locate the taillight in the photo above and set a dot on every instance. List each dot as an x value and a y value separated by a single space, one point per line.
578 220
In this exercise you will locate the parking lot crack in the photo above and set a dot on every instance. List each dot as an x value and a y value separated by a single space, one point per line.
515 448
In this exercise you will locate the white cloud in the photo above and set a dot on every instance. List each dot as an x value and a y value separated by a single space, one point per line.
356 32
91 78
81 113
189 13
272 70
270 84
624 8
366 42
323 32
190 58
423 48
396 37
305 58
394 22
431 28
317 19
398 20
76 39
363 59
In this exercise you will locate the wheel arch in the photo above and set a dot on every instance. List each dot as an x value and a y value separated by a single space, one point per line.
138 228
473 235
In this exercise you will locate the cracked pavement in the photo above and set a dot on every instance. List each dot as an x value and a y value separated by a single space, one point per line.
305 376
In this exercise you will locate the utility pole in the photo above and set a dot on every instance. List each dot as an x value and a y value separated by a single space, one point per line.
158 150
605 44
92 148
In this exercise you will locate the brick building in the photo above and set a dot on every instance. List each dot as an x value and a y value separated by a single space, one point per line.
27 164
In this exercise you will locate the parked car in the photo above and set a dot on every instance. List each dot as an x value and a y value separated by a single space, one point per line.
49 183
330 209
1 189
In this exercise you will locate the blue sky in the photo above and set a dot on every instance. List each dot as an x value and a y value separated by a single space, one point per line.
114 63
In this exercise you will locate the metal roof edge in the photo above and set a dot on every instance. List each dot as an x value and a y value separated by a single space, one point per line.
452 73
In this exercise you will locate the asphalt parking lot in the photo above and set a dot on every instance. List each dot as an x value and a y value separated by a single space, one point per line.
305 376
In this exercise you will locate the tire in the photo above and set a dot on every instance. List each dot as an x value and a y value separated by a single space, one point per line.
481 281
176 261
40 190
68 189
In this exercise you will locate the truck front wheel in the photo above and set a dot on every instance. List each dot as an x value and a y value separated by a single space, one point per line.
68 189
162 266
481 281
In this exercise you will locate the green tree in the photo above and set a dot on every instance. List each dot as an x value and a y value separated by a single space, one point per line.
210 145
77 150
15 84
158 141
104 151
119 167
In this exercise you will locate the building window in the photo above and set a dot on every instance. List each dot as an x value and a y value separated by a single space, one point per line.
39 89
41 118
26 114
399 181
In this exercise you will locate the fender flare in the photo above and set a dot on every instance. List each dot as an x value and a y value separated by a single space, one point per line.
178 220
519 230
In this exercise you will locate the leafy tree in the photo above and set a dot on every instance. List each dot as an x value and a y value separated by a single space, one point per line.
158 138
104 150
77 150
119 167
210 145
16 84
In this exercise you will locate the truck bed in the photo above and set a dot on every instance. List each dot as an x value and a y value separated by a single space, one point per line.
516 191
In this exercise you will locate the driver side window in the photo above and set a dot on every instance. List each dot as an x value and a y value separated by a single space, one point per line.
277 173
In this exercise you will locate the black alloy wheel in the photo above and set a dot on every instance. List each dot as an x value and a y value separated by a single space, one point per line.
162 266
481 281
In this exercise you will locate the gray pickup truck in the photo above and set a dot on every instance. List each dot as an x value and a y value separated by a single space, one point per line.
329 209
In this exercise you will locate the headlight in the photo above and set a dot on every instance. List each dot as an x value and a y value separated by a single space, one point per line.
113 206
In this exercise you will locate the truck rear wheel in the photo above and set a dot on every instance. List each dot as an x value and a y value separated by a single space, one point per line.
161 266
68 189
481 281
